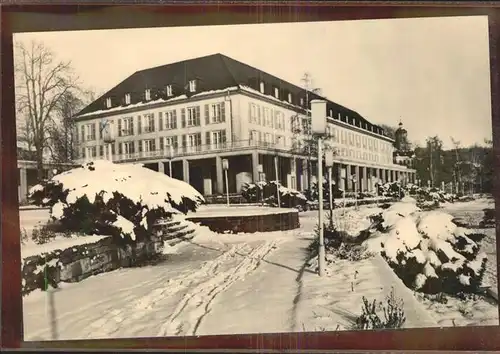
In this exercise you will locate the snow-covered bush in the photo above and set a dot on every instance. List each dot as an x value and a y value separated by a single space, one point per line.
312 194
488 218
122 200
428 251
266 192
393 314
340 244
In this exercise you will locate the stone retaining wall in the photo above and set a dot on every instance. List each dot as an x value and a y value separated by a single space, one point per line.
283 221
79 262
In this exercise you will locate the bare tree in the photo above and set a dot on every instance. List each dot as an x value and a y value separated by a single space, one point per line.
63 132
41 82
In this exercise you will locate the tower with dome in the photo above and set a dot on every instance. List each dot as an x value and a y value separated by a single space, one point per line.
403 153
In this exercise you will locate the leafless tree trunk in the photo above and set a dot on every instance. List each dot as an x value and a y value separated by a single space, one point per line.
41 81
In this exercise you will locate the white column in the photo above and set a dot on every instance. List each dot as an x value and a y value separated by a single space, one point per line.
23 184
185 170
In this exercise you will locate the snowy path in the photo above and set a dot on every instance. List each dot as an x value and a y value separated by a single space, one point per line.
180 297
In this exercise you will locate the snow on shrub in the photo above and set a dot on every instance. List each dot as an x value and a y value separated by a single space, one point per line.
390 189
123 200
428 251
266 192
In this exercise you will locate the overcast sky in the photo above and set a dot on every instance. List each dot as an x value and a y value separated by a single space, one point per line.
433 74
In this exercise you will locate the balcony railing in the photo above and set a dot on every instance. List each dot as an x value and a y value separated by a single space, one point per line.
206 149
180 151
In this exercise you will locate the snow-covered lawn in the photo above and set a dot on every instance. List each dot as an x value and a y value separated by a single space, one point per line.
222 284
174 297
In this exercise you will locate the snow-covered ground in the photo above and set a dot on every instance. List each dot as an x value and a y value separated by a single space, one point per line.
229 284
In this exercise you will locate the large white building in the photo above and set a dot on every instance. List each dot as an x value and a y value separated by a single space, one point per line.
194 113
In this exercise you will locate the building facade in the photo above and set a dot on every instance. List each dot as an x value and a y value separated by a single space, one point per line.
184 118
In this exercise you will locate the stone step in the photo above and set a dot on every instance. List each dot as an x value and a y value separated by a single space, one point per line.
176 228
180 233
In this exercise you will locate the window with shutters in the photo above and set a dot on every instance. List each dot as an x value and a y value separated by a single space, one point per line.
253 113
193 116
125 126
127 148
217 139
268 121
101 150
193 142
268 138
335 135
127 98
91 151
279 120
358 140
254 136
171 119
82 134
215 113
90 132
149 123
358 155
149 145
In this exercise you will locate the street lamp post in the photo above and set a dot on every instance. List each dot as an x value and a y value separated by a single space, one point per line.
225 167
318 127
329 165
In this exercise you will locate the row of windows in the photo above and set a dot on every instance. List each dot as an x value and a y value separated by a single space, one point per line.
266 117
213 140
168 120
365 156
268 138
147 94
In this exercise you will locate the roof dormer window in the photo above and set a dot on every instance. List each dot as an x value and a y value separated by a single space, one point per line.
262 87
302 102
192 86
290 98
127 98
108 102
147 94
170 92
276 92
331 113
